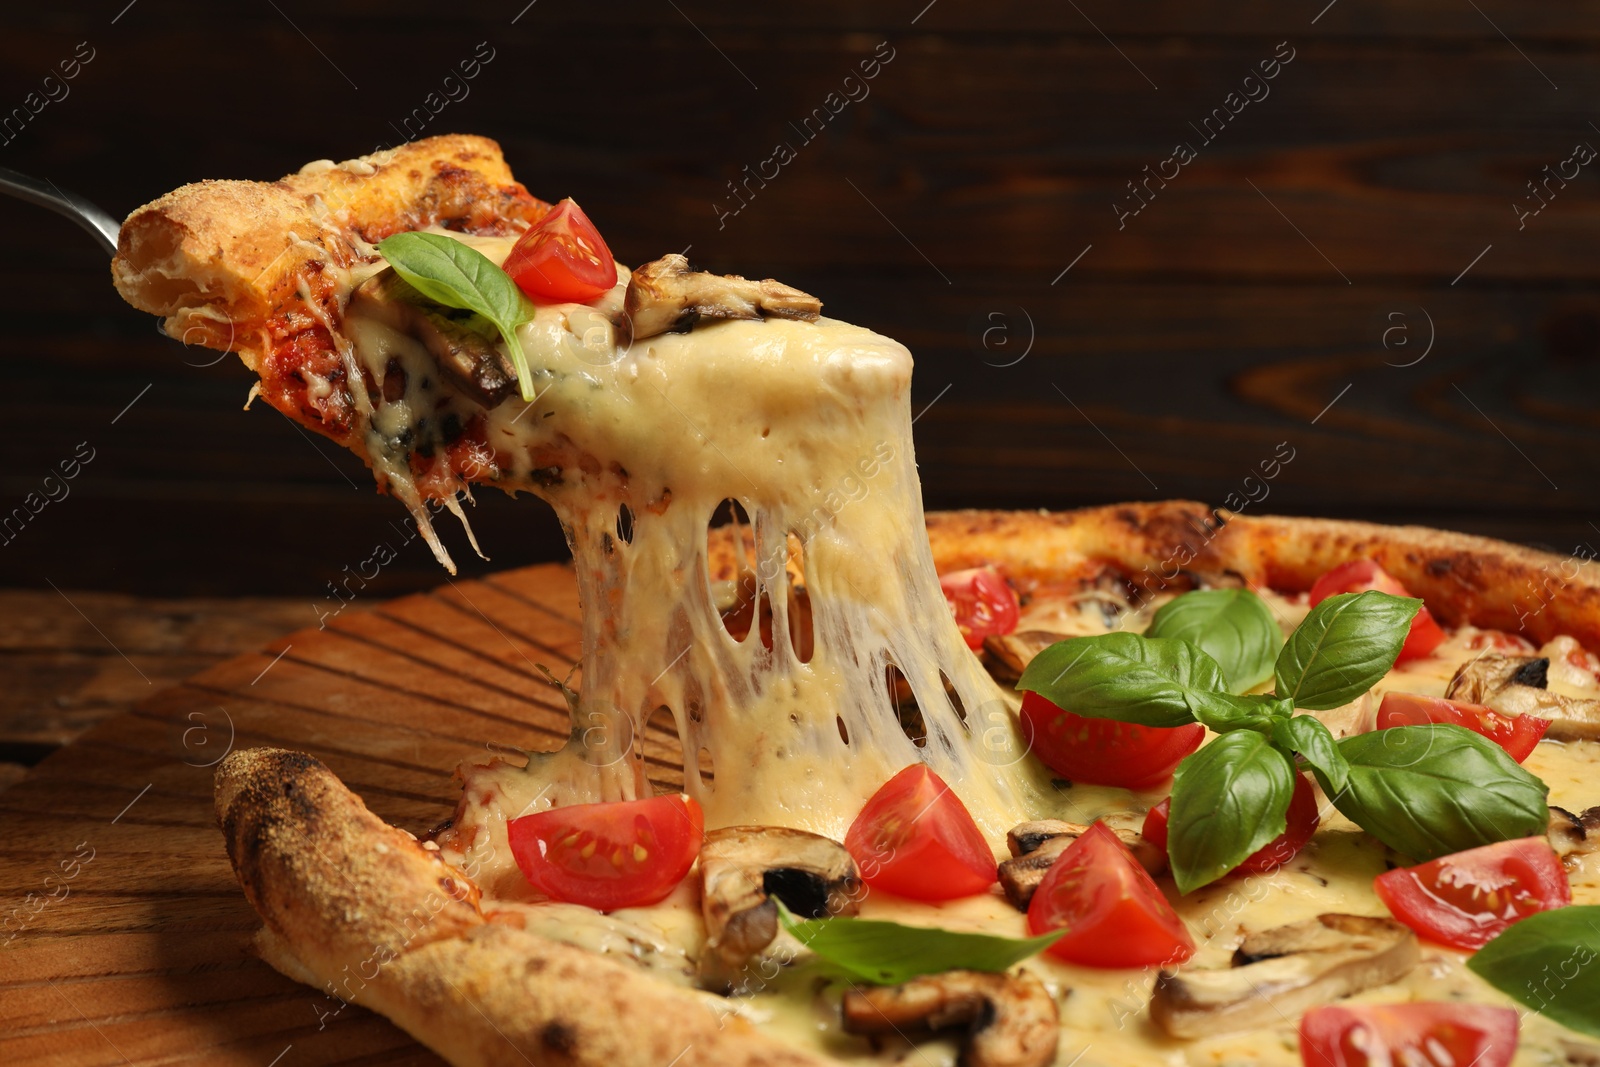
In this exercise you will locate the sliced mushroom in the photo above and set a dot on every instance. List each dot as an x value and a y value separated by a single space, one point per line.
1516 685
667 297
742 868
1279 973
464 354
1036 846
1011 1019
1010 654
1574 834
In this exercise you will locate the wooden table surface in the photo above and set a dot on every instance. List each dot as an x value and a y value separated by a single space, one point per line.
126 939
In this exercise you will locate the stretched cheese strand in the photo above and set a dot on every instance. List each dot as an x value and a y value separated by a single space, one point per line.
808 426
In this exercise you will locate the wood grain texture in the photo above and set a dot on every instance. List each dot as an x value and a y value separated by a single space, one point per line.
136 948
941 209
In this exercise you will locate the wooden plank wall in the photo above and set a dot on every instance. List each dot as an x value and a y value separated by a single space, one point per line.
1368 192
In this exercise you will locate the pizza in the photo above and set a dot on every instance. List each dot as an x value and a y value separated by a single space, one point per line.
1153 783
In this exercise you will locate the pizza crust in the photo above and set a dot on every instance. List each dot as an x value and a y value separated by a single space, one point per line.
362 910
217 259
1162 546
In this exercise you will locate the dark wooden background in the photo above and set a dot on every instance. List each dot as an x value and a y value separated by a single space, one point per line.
941 210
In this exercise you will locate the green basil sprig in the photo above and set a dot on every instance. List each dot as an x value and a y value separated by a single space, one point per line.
1545 961
1427 791
1232 626
889 953
1344 647
1422 790
458 276
1228 800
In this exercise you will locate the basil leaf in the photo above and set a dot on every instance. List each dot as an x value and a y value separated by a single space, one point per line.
1228 800
1427 791
1232 626
1307 735
1224 712
458 276
889 953
1343 648
1153 681
1543 961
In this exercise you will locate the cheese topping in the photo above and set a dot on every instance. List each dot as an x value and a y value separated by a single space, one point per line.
808 427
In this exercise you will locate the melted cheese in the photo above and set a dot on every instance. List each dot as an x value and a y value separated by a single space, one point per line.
808 426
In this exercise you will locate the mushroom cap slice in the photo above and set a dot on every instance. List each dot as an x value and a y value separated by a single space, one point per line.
665 296
743 867
464 354
1515 685
1280 973
1011 1019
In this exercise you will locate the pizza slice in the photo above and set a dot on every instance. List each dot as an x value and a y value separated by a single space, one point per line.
871 706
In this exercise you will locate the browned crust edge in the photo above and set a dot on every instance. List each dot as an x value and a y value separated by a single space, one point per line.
360 908
216 259
1165 545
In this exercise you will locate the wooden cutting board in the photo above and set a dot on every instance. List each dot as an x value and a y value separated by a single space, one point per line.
123 935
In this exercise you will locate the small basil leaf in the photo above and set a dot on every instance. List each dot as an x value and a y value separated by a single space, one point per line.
1544 961
889 953
1232 626
1427 791
1228 800
1307 735
1343 648
1153 681
458 276
1223 712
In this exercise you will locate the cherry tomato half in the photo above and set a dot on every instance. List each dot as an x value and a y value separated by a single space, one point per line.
622 854
1517 734
1420 1034
1358 576
1114 913
915 839
1105 751
1302 820
562 257
1466 898
983 604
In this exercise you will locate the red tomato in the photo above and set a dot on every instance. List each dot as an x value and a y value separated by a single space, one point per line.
622 854
1420 1034
1113 911
915 839
562 257
1358 576
1464 899
1500 641
1302 819
1517 734
1105 751
983 604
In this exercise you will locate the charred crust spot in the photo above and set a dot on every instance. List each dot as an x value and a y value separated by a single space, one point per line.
1534 673
1439 567
559 1037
